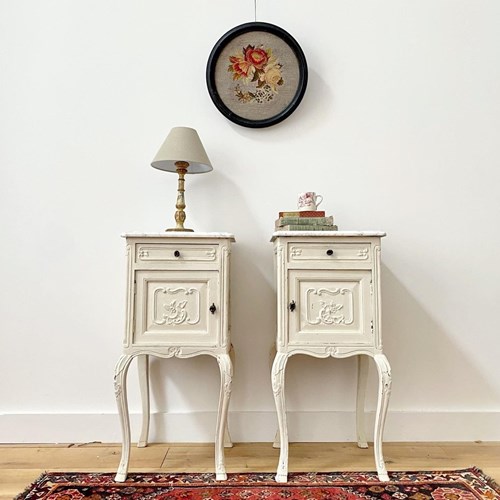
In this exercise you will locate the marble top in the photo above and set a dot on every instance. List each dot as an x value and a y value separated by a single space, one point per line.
179 234
328 234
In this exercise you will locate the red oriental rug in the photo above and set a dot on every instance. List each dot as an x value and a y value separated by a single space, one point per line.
468 484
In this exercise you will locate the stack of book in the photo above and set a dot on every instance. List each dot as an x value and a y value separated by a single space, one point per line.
314 220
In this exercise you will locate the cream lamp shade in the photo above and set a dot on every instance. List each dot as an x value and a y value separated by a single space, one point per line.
182 153
182 145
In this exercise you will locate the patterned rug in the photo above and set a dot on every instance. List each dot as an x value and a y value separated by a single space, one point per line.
468 484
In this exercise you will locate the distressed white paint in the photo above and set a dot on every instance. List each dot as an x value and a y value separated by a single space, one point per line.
177 306
329 305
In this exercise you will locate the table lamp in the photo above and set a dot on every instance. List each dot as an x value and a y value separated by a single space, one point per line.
182 152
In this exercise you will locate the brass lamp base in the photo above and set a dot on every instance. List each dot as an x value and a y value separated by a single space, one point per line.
180 215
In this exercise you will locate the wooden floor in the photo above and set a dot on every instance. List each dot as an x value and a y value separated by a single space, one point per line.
21 464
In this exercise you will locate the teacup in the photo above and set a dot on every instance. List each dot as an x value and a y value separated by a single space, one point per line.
309 201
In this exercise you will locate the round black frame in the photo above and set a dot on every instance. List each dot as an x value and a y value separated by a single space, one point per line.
214 56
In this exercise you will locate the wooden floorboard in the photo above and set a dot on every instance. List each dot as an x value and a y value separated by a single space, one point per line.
22 464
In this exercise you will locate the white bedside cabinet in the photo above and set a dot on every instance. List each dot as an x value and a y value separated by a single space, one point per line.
177 305
328 289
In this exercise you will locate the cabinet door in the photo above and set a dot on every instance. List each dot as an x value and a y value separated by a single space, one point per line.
173 308
330 307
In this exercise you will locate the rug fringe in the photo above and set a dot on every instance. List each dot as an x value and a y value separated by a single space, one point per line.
489 480
24 493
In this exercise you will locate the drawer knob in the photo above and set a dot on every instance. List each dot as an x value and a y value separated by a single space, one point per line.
329 252
212 308
177 253
292 306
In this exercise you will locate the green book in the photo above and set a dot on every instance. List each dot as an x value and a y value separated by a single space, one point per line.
308 221
304 227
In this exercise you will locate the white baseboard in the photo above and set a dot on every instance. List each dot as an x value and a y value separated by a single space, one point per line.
249 427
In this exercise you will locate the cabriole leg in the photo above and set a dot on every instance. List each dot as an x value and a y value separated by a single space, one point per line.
121 401
384 391
143 368
228 443
278 383
272 355
226 375
360 400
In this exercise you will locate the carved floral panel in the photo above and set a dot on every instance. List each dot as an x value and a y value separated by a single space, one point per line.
331 305
177 309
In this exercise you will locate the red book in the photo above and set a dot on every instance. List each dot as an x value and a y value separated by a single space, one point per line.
310 213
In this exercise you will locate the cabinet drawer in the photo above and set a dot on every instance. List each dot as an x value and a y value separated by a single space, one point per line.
329 252
183 252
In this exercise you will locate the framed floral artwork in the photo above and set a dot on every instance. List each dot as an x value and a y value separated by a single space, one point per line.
256 74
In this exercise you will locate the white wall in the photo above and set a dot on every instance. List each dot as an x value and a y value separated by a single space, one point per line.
398 130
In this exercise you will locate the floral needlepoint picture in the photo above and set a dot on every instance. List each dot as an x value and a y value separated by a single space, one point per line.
257 66
256 75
